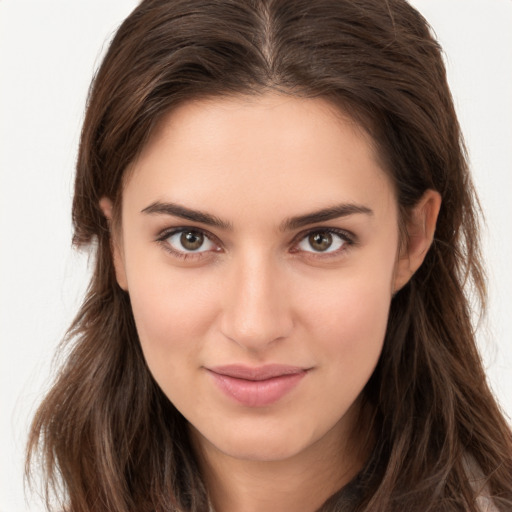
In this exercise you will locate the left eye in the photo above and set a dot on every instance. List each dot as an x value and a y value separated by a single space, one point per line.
322 242
189 240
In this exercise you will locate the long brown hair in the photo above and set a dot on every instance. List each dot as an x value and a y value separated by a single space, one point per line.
105 433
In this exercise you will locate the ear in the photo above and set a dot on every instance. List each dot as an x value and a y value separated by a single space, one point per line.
420 227
106 207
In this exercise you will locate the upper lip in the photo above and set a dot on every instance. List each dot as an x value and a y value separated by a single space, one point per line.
265 372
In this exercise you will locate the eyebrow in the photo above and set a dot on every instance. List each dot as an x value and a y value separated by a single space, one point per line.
177 210
333 212
323 215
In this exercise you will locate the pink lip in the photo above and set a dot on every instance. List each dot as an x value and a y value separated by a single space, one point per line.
257 387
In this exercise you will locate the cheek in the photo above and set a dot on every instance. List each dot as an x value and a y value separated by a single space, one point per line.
173 313
354 299
354 325
348 322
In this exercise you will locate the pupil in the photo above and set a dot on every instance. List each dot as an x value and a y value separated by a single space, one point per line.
320 241
191 240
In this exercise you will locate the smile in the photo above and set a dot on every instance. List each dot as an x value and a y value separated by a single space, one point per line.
257 387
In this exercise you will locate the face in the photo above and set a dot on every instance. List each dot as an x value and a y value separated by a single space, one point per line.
259 247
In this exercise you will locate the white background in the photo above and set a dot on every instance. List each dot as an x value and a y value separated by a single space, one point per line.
48 53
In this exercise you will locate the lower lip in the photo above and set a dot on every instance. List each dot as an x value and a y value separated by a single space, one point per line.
257 393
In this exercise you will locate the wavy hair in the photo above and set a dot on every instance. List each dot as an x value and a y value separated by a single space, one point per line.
105 433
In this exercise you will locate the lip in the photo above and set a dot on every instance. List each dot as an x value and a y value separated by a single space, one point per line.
257 386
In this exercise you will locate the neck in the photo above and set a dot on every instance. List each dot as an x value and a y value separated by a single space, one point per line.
300 483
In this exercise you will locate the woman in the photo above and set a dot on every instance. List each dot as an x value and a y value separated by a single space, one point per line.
284 228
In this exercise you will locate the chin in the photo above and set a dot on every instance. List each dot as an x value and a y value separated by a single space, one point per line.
257 443
262 451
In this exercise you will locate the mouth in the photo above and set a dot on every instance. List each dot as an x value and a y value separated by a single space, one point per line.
257 386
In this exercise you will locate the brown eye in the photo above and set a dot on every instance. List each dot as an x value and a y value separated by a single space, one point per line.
324 241
191 240
186 241
320 241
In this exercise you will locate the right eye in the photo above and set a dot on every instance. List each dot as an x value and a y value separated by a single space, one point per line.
185 242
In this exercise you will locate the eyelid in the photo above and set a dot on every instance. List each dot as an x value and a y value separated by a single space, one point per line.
163 235
348 237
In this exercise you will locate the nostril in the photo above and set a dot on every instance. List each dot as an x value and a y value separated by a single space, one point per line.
256 327
256 302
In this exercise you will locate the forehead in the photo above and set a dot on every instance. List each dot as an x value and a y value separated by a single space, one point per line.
237 153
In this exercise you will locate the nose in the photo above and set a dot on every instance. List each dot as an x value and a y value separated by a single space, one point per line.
256 308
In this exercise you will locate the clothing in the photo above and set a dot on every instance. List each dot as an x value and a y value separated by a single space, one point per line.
350 495
479 485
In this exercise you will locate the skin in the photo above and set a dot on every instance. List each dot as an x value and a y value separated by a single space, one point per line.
259 292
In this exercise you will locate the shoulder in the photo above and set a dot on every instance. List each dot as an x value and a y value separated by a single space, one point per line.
485 504
478 482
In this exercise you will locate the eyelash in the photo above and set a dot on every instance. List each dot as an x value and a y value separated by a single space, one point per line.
346 237
348 240
165 235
